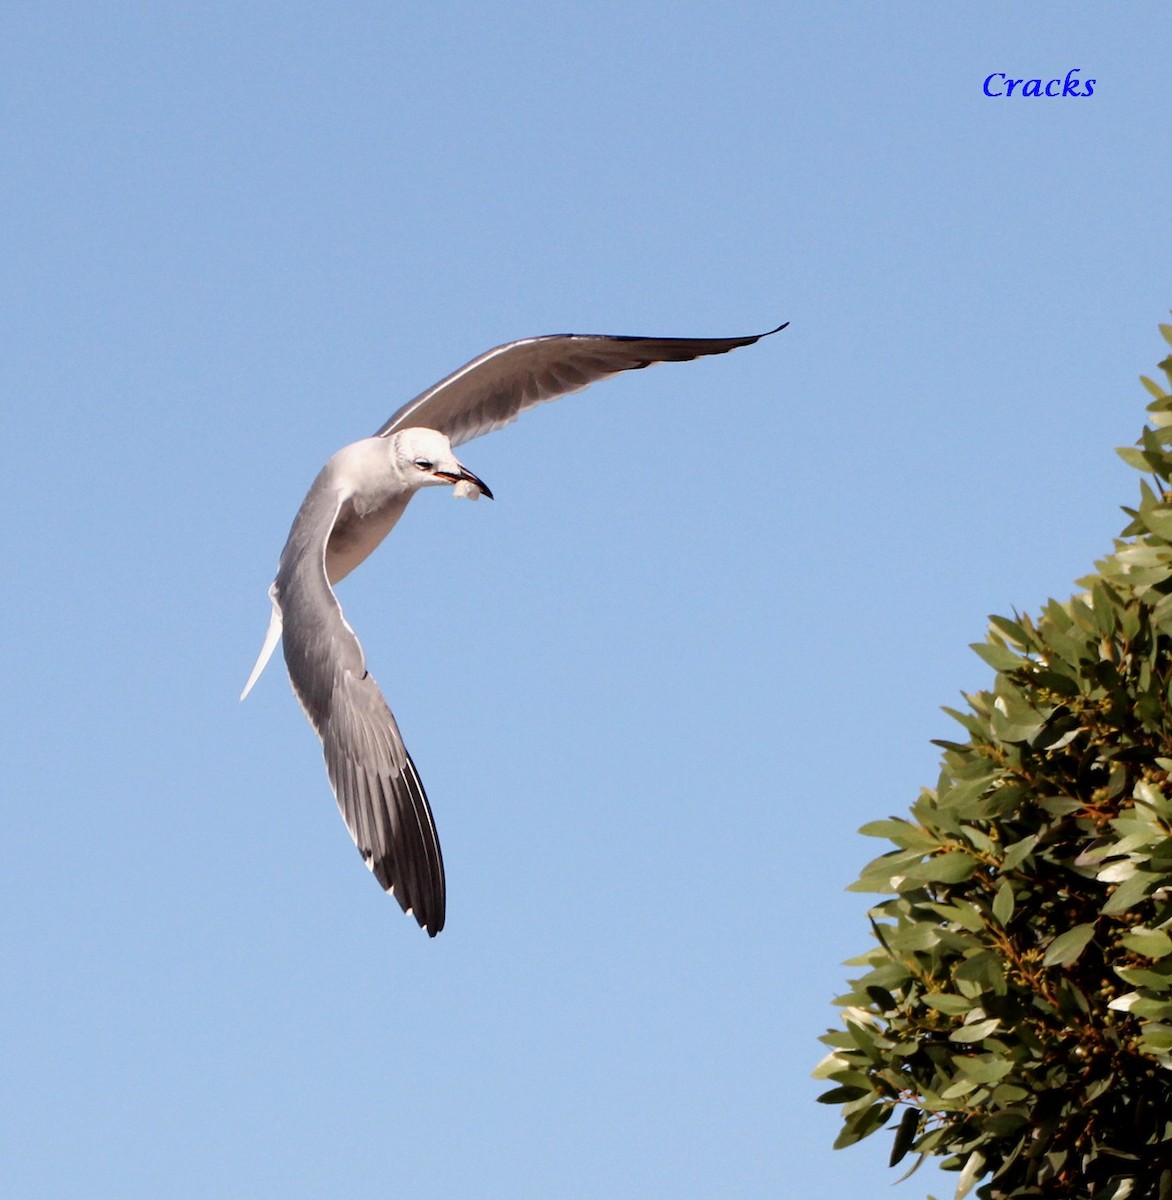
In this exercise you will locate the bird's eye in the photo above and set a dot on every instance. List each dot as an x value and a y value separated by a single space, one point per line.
423 464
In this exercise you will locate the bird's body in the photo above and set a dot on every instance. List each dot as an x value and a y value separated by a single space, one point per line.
355 501
375 497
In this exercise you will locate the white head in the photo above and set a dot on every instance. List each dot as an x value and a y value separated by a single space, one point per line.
424 458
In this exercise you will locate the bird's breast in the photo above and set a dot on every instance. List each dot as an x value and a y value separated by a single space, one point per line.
357 533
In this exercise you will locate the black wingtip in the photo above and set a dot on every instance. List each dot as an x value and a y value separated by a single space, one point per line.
431 925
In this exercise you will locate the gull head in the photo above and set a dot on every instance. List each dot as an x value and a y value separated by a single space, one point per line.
424 458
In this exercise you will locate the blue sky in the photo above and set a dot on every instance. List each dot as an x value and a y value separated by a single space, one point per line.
701 636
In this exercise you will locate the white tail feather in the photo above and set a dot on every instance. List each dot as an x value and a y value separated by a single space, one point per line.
266 651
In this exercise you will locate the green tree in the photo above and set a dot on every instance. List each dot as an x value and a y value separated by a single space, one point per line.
1015 1014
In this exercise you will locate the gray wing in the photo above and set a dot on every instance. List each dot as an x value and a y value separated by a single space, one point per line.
497 387
378 791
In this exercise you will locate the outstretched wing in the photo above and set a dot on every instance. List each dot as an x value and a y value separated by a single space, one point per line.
497 387
378 790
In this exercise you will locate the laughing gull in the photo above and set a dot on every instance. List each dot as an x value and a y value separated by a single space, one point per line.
352 505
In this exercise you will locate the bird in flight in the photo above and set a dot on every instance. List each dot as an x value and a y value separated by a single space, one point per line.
353 504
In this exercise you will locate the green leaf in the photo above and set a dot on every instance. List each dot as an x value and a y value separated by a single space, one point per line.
1134 457
1144 977
959 912
998 657
1102 608
1059 806
953 866
1004 1123
1157 1039
976 1032
903 833
863 1123
985 1069
962 1087
843 1094
1159 521
947 1003
1003 902
974 725
905 1135
877 876
1066 947
985 970
1151 943
881 999
1017 853
1129 893
1013 721
1012 630
1152 1010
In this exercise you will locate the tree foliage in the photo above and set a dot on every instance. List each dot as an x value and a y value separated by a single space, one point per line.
1015 1014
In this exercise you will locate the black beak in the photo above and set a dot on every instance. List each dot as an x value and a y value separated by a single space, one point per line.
466 476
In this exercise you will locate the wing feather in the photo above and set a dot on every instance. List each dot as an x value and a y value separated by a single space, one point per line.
497 387
377 788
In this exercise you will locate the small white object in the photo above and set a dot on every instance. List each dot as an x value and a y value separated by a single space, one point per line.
469 491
